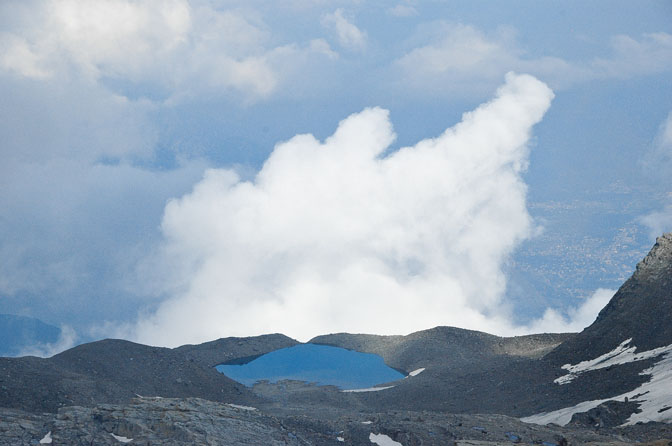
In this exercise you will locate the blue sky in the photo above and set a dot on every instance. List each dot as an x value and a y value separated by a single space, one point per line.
139 136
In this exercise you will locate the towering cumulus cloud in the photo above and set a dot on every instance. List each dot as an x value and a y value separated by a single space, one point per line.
341 235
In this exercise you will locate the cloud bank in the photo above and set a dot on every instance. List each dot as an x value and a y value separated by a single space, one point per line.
342 236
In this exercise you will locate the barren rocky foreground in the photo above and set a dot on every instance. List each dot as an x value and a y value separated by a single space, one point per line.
193 421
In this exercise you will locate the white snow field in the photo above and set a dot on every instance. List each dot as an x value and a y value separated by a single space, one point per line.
654 397
383 440
238 406
46 439
121 439
368 389
620 355
416 372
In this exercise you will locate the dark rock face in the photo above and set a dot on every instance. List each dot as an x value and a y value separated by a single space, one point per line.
608 414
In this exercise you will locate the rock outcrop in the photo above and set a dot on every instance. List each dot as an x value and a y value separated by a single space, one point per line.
147 421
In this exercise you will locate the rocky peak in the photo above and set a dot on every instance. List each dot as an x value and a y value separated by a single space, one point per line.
641 310
657 264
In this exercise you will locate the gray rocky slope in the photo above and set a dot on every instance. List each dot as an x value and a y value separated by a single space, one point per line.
91 392
192 421
115 371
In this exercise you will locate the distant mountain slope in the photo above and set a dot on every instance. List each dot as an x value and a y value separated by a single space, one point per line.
18 333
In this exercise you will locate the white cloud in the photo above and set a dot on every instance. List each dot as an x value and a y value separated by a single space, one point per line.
349 36
461 58
403 10
110 37
322 46
459 47
178 47
336 235
576 318
16 56
658 160
651 54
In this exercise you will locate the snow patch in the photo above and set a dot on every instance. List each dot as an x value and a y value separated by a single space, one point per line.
417 372
383 440
652 396
47 439
655 394
242 407
121 439
620 355
562 416
368 389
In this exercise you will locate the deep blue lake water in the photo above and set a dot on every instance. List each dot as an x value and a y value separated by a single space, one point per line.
320 364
